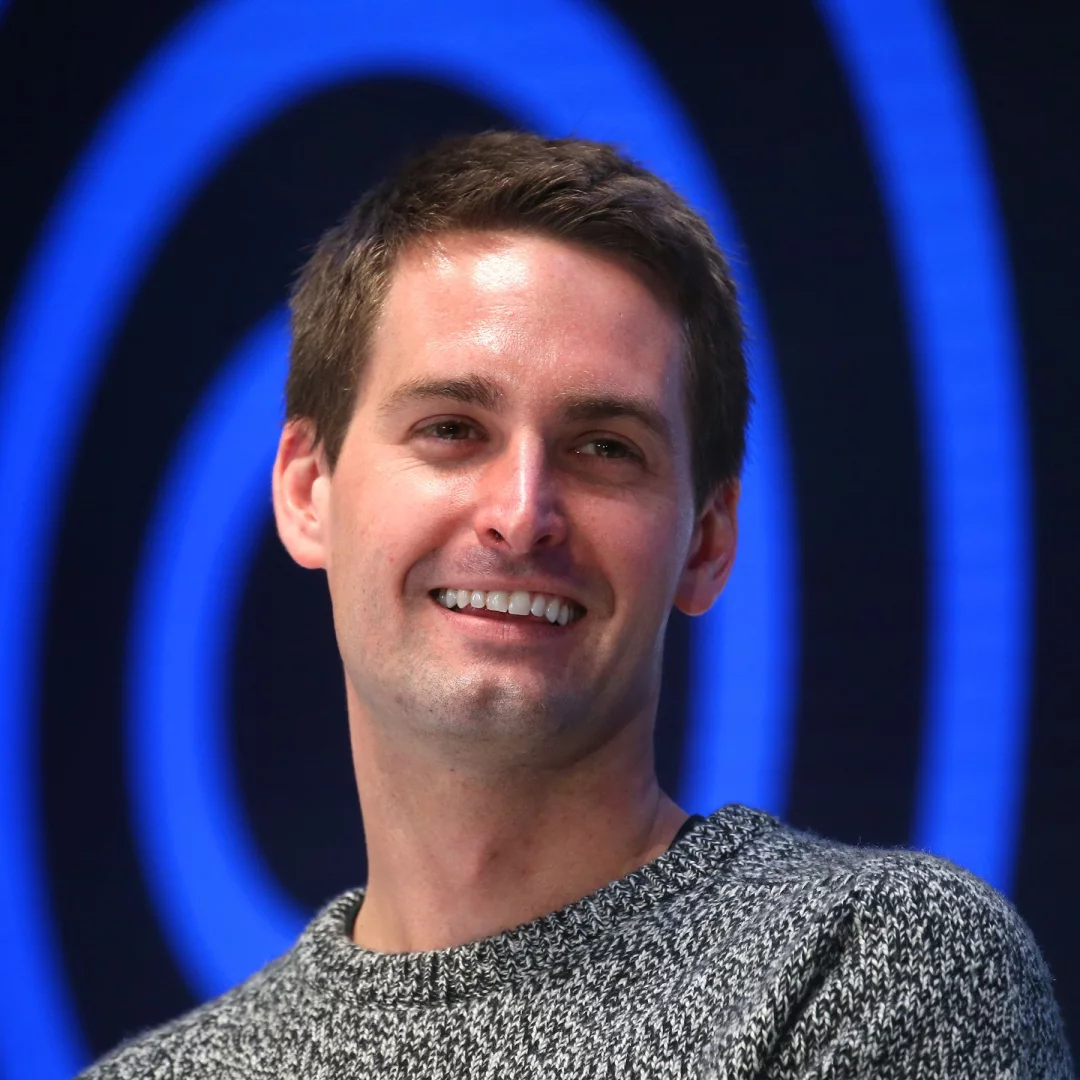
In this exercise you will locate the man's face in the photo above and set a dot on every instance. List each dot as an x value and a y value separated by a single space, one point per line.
520 428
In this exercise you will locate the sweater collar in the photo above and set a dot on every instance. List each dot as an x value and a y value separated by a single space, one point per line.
547 947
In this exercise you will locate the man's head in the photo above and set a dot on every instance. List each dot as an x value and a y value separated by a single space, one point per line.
517 366
568 189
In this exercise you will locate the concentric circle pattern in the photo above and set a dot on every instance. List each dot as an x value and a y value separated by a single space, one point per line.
143 360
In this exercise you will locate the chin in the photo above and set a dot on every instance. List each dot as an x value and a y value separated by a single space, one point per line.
504 703
504 710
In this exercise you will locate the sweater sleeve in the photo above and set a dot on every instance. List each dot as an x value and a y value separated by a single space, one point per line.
935 976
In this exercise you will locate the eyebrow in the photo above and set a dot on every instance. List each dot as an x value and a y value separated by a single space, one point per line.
485 393
610 407
475 390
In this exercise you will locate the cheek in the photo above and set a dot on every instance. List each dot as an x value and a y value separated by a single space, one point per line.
386 519
641 549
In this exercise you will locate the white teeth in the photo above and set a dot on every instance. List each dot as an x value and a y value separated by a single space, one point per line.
519 603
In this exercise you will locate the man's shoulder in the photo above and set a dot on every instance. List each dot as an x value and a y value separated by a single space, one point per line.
260 1027
929 923
209 1041
788 887
786 859
893 941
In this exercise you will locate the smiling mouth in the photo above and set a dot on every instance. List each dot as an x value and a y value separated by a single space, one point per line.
529 607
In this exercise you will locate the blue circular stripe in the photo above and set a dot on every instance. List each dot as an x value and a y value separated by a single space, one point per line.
738 741
228 69
121 201
228 917
921 127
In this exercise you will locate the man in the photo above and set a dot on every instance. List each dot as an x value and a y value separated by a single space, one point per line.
515 426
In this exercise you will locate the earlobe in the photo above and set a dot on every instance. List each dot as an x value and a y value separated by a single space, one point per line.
712 551
300 482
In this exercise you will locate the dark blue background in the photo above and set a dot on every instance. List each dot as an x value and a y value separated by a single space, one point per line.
768 100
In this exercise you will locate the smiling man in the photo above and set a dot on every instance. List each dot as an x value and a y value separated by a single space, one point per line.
515 426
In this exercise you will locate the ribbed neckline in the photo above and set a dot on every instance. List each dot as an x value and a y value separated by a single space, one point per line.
546 946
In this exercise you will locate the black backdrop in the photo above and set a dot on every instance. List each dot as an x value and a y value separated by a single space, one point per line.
768 100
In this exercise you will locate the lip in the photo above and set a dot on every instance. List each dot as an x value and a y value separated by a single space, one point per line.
508 629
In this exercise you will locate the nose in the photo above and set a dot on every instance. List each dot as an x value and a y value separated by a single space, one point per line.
518 504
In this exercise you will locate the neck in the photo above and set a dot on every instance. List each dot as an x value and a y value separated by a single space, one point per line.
458 854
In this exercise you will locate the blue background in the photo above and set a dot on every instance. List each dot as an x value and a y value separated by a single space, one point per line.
891 663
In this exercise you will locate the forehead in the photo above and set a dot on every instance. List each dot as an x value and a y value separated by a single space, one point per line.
541 315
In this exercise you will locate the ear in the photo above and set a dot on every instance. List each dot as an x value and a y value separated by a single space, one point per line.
301 495
712 551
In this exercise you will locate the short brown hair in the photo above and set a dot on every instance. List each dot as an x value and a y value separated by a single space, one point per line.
570 189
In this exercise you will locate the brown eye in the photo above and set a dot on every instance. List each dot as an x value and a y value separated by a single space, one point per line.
608 448
448 430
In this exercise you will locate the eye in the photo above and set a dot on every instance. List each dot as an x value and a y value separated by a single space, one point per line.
609 448
449 431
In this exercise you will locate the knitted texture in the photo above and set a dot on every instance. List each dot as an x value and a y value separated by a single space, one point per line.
746 950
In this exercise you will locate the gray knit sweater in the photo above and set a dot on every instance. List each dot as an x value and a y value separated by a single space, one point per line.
746 950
